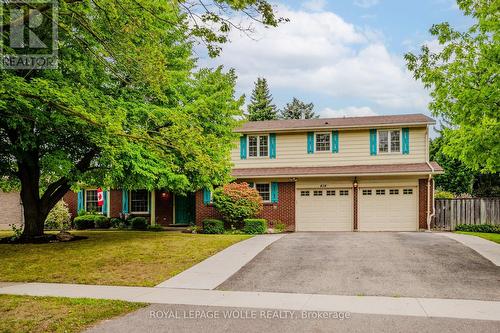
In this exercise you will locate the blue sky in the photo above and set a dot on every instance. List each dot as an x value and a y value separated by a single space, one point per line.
345 56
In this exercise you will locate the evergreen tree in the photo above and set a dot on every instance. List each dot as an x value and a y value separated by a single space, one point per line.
298 110
261 105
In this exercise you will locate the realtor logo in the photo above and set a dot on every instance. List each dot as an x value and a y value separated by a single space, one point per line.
29 34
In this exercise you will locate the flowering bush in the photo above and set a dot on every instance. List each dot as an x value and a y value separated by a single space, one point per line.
59 217
236 202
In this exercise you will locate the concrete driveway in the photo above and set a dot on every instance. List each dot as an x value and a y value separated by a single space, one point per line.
376 264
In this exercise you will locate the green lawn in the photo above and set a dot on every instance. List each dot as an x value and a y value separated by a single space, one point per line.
489 236
53 314
129 258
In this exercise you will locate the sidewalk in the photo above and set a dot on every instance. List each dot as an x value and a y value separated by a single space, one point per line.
216 269
488 249
404 306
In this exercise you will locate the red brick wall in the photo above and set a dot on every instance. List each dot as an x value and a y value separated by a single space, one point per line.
115 207
283 211
422 202
71 198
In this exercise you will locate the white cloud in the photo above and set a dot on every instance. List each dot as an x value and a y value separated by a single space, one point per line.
314 5
366 3
321 53
351 111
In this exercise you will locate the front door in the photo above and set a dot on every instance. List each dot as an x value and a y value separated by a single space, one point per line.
184 209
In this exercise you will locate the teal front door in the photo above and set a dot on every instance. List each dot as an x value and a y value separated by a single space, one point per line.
184 209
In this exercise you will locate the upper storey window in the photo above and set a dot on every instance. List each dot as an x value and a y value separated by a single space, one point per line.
323 142
389 141
258 145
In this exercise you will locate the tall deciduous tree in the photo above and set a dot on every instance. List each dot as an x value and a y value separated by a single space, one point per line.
298 110
261 105
464 83
125 108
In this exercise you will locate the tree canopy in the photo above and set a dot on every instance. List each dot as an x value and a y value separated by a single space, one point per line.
261 105
464 84
125 108
298 110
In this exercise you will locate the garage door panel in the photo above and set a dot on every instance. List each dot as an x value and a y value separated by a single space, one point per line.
388 209
332 212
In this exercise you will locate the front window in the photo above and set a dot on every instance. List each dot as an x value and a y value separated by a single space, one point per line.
91 201
258 146
139 201
389 141
323 142
264 191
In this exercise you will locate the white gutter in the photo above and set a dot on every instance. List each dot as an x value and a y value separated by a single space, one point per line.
416 173
429 215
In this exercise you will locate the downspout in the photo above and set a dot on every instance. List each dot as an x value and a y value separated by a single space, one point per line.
429 214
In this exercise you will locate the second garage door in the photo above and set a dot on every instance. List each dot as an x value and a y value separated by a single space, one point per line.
388 209
324 209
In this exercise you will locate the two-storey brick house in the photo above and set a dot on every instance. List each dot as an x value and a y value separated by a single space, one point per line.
340 174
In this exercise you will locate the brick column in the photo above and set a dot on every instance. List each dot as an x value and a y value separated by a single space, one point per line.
355 206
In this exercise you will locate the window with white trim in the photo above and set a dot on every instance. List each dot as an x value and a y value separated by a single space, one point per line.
91 201
264 190
344 192
330 193
318 193
389 141
323 142
407 191
139 201
393 191
304 193
380 192
367 192
258 145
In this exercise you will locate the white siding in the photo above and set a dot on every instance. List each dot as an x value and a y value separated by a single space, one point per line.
354 148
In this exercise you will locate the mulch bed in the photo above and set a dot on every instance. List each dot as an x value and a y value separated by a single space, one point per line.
63 236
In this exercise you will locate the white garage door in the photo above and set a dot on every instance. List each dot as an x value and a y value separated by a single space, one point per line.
324 209
388 209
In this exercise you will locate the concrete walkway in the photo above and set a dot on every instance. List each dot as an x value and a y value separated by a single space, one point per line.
404 306
488 249
218 268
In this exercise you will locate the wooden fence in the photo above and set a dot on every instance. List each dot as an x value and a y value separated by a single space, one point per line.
450 212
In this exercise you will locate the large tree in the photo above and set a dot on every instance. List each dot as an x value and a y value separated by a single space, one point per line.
261 105
298 110
464 83
125 107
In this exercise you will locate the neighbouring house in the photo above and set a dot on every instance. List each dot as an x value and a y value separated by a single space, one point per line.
12 210
339 174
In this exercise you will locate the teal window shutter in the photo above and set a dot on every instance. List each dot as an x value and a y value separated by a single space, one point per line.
272 145
310 142
274 192
373 141
125 201
243 147
206 196
335 141
105 203
406 141
81 200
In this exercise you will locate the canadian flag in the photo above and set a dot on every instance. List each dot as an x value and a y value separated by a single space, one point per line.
100 197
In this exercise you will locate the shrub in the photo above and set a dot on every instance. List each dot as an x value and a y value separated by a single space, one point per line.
155 227
279 227
478 228
213 226
236 202
59 217
84 222
255 226
443 195
194 229
101 222
116 222
138 223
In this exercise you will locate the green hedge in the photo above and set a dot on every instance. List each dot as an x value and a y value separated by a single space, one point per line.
139 223
84 222
102 222
254 226
213 226
478 228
